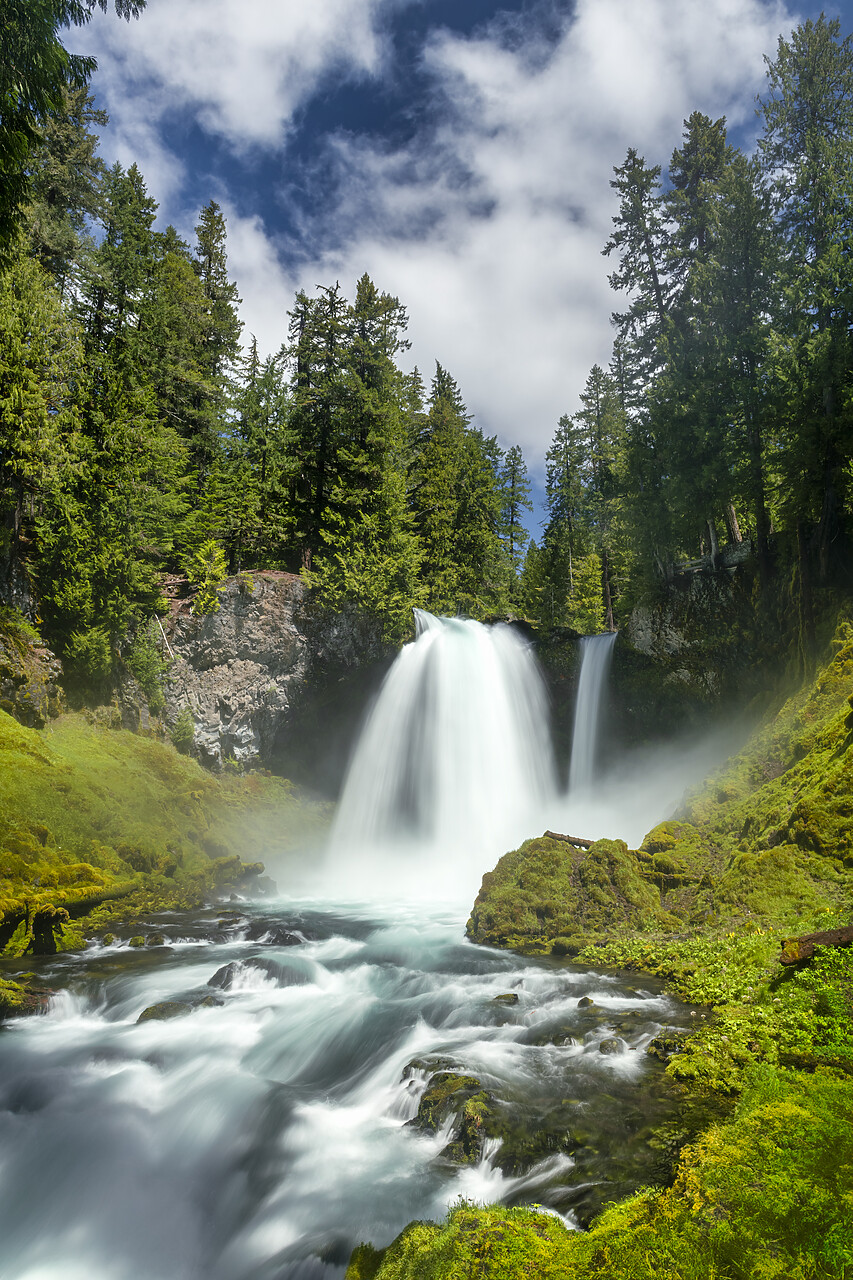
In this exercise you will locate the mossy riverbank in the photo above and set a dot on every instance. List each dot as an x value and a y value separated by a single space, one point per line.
99 827
761 854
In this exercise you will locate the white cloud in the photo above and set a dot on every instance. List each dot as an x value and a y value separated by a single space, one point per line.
489 225
242 68
515 301
266 289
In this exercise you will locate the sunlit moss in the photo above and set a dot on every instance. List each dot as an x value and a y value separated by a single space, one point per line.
101 825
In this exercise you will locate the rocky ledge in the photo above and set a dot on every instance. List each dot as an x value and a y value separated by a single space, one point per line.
246 673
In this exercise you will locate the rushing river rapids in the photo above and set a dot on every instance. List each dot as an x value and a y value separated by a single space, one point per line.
266 1131
274 1108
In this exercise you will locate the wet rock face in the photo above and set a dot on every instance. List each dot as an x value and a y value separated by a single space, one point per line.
29 682
250 671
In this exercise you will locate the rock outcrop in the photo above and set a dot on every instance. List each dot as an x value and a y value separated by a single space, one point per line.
250 673
29 673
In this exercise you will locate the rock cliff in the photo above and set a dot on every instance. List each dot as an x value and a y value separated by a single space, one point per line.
255 674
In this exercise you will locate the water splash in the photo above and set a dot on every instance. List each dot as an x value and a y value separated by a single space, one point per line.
597 652
456 753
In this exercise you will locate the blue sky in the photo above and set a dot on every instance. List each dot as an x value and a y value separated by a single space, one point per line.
459 151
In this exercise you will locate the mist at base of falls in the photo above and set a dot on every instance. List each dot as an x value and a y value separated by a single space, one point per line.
454 767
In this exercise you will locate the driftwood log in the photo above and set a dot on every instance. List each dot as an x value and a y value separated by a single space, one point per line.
796 949
578 841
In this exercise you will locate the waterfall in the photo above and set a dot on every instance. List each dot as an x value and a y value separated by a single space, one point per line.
456 752
595 663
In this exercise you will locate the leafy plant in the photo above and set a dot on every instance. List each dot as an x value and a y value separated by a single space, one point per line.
146 662
207 570
183 731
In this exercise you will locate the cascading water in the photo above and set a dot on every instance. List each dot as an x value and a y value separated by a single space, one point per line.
456 753
597 652
263 1116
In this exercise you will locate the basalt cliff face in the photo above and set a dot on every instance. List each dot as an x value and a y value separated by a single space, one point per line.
267 672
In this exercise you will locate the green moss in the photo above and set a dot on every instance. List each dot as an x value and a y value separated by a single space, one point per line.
765 1196
549 890
98 826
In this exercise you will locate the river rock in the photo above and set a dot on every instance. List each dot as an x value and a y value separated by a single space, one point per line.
612 1044
585 1002
667 1042
283 975
164 1010
273 934
508 997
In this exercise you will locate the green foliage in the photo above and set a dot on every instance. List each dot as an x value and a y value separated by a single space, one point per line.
89 656
35 73
145 660
183 731
207 569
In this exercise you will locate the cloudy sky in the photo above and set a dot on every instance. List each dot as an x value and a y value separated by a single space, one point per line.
460 151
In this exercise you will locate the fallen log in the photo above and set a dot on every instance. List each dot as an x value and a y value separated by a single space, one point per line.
796 949
578 841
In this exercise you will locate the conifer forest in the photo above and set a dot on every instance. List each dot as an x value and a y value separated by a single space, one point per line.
145 434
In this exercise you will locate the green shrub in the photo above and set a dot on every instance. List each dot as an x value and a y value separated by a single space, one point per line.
207 569
183 731
146 662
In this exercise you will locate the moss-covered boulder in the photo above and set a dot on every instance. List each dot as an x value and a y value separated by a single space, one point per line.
549 892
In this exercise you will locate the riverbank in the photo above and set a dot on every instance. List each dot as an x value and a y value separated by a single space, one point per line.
761 855
99 827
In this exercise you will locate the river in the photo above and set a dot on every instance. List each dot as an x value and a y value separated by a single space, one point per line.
264 1132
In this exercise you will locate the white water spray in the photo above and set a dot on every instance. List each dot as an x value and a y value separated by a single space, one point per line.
456 753
595 664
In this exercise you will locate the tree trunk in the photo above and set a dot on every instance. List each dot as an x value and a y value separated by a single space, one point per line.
732 525
713 545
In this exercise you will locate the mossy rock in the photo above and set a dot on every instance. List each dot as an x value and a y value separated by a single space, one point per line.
548 892
165 1010
445 1096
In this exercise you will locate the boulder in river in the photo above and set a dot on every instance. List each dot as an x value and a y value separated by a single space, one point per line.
283 975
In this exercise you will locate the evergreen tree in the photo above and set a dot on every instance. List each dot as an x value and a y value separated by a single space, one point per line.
36 72
515 500
807 151
370 554
220 337
65 185
639 235
318 339
118 275
41 366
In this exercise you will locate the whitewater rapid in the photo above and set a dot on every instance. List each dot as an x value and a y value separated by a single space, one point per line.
263 1134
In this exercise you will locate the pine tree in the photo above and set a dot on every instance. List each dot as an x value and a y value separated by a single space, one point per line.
65 176
220 338
515 500
41 366
807 151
